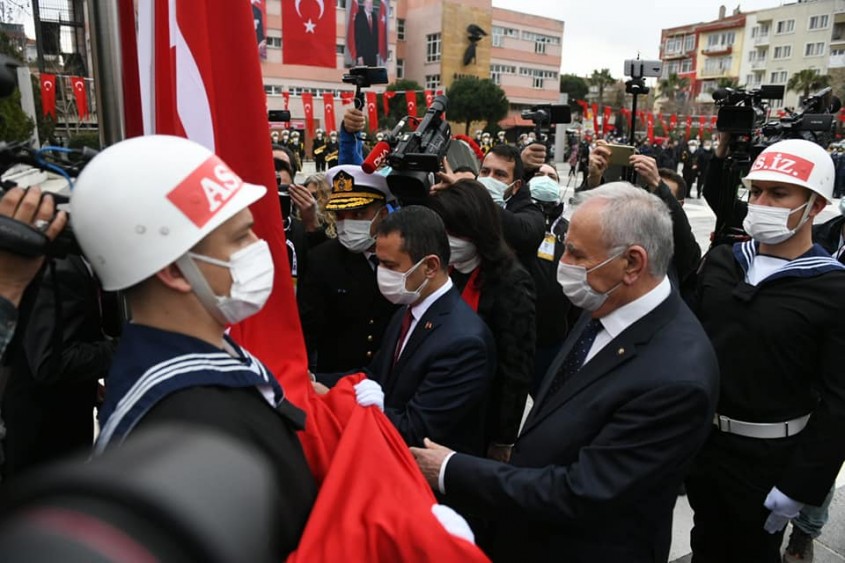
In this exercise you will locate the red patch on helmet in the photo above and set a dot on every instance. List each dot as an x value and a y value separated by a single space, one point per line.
205 191
792 166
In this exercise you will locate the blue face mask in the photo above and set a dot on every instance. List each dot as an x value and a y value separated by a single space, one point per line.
544 189
495 188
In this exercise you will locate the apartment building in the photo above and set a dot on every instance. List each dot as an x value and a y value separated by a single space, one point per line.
427 42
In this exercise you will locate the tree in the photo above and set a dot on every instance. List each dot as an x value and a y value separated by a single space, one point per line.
15 125
575 86
601 79
670 87
397 106
806 80
474 99
727 82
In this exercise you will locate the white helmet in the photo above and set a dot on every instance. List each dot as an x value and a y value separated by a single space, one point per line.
144 202
798 162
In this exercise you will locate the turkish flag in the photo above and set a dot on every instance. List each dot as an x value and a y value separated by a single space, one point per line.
133 118
308 108
713 121
372 112
309 29
429 98
689 126
347 98
595 115
81 95
48 94
411 102
663 124
673 121
650 126
328 105
702 123
385 100
606 121
286 98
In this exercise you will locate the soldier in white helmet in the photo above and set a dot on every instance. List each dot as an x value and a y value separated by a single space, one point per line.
167 222
775 311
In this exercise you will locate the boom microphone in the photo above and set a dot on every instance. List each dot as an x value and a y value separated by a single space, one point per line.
376 157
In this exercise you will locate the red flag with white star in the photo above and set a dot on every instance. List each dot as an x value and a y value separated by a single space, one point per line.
81 95
48 94
308 109
328 105
411 102
309 28
372 112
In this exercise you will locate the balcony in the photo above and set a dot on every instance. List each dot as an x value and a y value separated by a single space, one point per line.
758 64
836 61
715 73
668 56
704 98
838 35
718 50
761 40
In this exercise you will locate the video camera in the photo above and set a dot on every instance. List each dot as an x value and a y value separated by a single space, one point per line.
545 115
364 77
742 111
417 155
816 116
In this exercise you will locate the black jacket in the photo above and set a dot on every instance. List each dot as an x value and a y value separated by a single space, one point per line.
827 234
343 313
523 225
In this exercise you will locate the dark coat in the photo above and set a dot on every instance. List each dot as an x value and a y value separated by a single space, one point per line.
343 313
366 37
439 387
523 226
596 470
827 234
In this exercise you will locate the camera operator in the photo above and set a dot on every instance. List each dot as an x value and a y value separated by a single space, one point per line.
175 234
17 271
774 309
687 252
351 145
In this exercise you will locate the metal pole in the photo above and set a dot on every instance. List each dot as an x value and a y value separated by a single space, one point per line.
39 34
108 72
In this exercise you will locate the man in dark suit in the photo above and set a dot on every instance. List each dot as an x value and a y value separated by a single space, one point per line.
620 414
438 357
343 314
366 34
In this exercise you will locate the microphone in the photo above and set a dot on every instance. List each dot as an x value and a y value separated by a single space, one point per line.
722 93
376 157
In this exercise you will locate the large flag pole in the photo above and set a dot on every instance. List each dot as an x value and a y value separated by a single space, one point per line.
106 47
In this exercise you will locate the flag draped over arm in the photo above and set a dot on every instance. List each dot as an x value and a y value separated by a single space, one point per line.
211 91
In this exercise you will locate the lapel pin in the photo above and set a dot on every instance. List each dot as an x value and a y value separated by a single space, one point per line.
620 351
428 325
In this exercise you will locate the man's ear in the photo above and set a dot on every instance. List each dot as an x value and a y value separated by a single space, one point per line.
637 258
516 187
171 276
818 206
432 264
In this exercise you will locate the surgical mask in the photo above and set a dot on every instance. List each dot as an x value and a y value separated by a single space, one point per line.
463 255
252 271
692 148
544 189
392 285
573 280
354 234
768 225
495 188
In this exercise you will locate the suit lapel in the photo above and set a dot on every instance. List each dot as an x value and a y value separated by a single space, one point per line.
617 351
426 326
561 356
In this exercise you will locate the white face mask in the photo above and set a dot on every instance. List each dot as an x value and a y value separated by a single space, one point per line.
544 189
768 224
252 271
354 234
495 188
392 285
573 280
463 255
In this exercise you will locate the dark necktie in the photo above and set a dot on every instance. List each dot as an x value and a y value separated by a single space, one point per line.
575 359
406 326
373 259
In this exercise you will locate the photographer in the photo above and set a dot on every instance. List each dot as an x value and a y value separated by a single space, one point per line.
17 271
774 310
351 145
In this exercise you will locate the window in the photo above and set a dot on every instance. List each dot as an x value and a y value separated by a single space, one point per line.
400 30
400 68
752 80
719 65
782 52
538 73
785 26
818 22
540 48
837 52
720 40
673 45
498 36
496 72
670 68
689 43
707 86
760 31
814 50
686 65
272 90
432 48
275 42
432 81
340 49
778 77
539 38
341 3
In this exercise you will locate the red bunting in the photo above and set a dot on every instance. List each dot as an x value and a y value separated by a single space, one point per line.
328 111
606 127
308 107
702 121
48 94
411 102
713 121
596 118
673 121
347 98
372 113
429 98
286 98
81 95
689 126
663 124
650 127
385 99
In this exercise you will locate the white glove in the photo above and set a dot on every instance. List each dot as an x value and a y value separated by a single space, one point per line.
368 393
453 522
783 510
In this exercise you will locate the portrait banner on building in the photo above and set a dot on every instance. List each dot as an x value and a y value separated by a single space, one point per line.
366 33
308 27
259 19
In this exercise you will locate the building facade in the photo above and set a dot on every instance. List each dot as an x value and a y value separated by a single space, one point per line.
428 42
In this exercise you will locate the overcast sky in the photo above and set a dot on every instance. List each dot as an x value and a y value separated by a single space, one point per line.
603 33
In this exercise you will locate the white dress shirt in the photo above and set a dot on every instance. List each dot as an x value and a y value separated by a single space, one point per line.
418 310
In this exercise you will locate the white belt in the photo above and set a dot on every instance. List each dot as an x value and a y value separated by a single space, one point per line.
766 430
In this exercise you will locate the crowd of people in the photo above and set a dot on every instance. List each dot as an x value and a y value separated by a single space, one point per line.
557 380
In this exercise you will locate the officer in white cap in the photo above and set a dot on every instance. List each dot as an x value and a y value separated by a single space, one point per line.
775 311
344 314
167 222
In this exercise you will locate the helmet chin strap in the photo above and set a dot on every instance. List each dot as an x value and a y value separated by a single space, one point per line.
201 288
806 214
